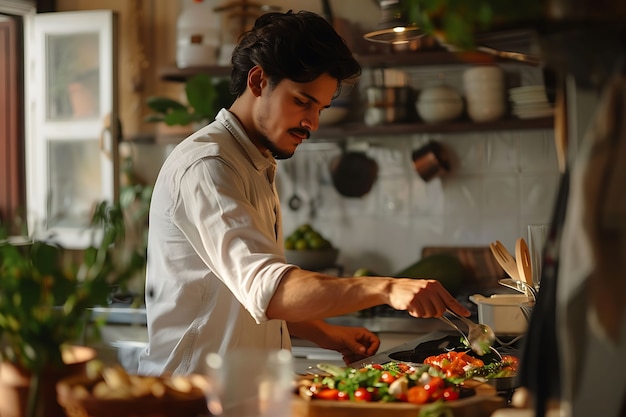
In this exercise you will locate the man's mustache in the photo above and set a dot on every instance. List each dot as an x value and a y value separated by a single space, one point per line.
301 132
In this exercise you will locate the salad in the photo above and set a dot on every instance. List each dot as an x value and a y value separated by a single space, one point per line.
440 378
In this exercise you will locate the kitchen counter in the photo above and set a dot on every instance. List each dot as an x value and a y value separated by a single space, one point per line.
125 328
121 315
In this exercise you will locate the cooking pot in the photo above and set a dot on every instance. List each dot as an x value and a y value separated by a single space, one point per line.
430 161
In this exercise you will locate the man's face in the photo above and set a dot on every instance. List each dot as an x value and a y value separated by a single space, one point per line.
287 114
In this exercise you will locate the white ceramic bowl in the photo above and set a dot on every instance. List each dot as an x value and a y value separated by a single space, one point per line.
439 104
439 111
439 92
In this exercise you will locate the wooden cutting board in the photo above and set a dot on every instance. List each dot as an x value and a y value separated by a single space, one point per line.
467 407
483 404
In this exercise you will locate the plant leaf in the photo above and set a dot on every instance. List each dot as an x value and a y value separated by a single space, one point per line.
201 95
164 104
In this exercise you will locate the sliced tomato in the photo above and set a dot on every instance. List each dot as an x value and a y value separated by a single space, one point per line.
327 394
387 377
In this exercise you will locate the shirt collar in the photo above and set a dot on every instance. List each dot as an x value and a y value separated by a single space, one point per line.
261 161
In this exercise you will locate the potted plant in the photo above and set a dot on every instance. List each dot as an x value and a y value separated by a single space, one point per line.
45 296
205 97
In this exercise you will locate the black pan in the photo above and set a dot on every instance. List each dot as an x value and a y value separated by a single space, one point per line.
353 173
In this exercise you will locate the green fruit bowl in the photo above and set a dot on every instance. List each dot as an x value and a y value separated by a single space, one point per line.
312 259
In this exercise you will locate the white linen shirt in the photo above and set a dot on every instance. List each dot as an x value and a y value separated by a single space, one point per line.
215 252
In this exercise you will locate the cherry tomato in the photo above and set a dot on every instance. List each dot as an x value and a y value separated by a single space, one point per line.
362 394
450 394
327 394
434 384
417 395
387 377
342 395
378 366
511 361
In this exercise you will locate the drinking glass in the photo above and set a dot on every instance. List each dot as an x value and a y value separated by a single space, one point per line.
537 235
250 383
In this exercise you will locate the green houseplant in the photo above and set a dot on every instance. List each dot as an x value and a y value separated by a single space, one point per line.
456 22
205 97
46 293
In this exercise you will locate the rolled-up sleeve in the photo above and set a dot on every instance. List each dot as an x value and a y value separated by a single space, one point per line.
231 219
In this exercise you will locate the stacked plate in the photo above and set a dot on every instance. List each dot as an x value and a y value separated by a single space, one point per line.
530 102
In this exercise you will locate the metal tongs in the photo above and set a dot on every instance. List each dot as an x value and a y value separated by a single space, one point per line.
480 337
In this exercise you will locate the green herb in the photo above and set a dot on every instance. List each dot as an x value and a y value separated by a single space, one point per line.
437 409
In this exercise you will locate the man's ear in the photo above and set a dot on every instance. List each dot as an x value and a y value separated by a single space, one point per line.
255 80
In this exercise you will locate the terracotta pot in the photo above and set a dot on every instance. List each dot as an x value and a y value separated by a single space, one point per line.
15 384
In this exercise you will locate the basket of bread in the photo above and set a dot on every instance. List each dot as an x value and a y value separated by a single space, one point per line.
111 391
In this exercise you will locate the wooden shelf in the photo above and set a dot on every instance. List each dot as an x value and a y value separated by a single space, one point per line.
421 58
400 59
417 58
464 126
173 73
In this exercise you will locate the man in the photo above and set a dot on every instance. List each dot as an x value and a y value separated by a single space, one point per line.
217 278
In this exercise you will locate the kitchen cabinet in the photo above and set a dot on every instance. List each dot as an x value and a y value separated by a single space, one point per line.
397 60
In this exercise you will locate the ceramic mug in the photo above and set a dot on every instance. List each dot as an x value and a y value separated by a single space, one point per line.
430 161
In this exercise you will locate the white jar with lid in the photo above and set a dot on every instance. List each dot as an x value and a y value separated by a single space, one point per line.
198 34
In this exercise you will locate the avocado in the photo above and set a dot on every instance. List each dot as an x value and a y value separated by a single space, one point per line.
445 268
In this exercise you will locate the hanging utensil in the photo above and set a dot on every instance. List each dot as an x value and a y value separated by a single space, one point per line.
522 255
505 259
430 161
295 202
353 173
315 200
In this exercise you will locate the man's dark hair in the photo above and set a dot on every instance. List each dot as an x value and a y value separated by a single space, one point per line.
297 46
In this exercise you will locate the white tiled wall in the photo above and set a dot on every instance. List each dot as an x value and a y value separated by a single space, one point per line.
499 183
